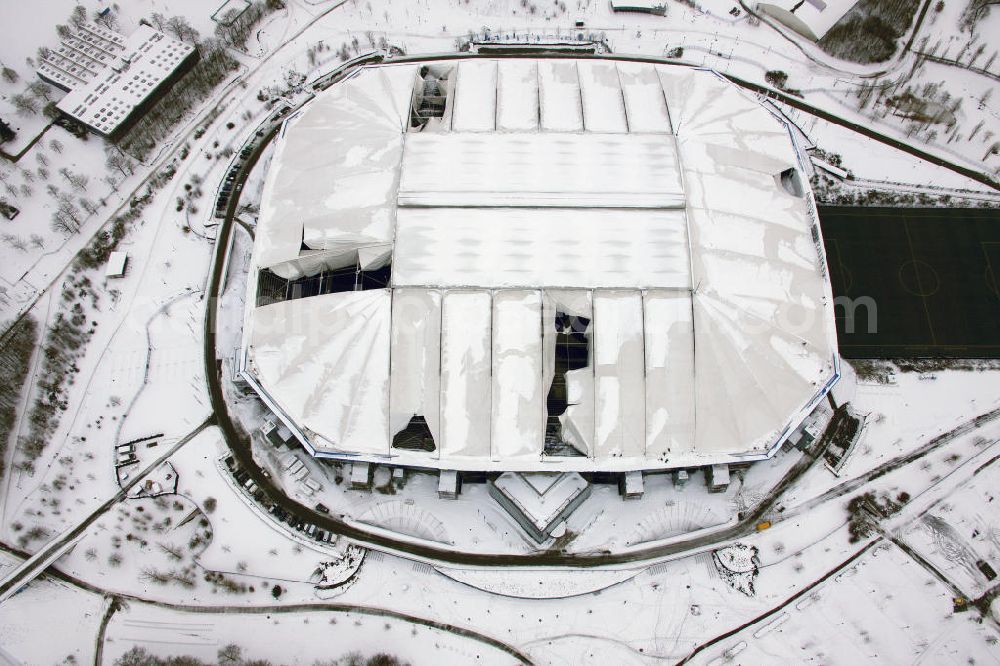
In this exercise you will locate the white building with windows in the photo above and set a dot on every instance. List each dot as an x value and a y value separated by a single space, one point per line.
538 264
108 76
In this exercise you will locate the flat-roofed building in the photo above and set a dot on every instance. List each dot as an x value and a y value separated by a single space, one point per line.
109 78
658 7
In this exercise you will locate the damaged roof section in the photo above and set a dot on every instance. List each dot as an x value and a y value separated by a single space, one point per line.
567 264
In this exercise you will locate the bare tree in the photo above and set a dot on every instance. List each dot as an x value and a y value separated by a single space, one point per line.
40 89
15 242
79 16
63 31
111 182
37 241
79 181
56 146
975 56
41 158
25 104
119 160
64 198
181 29
107 19
65 222
159 20
230 655
26 190
9 74
88 205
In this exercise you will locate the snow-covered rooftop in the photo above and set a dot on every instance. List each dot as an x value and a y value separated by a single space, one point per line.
117 80
651 6
541 498
116 264
651 213
80 57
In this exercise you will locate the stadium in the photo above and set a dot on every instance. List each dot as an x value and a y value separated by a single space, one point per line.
547 264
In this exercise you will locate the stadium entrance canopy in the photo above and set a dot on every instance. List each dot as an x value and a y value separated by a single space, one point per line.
522 264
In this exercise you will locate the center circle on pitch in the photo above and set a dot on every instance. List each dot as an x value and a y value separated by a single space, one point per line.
919 278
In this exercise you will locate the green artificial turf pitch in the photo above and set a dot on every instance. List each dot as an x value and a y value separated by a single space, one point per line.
932 274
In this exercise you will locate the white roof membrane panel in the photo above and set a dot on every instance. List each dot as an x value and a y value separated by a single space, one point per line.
669 347
645 104
332 185
601 93
466 374
559 96
619 375
475 97
415 370
517 96
325 360
528 247
547 169
518 396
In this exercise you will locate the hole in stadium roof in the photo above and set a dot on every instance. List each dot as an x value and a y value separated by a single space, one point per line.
572 355
430 98
792 183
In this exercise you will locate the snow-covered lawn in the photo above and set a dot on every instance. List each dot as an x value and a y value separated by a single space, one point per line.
49 621
868 159
963 529
290 638
883 608
904 415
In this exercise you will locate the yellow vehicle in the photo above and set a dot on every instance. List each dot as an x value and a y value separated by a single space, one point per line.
763 525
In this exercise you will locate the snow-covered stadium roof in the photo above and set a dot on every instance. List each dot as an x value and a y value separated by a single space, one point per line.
645 211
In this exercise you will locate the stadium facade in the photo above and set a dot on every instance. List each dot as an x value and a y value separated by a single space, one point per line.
555 264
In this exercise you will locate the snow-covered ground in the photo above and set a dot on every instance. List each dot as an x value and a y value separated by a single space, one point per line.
292 638
962 530
882 608
49 603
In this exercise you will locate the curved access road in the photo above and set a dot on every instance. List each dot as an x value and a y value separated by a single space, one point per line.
120 600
